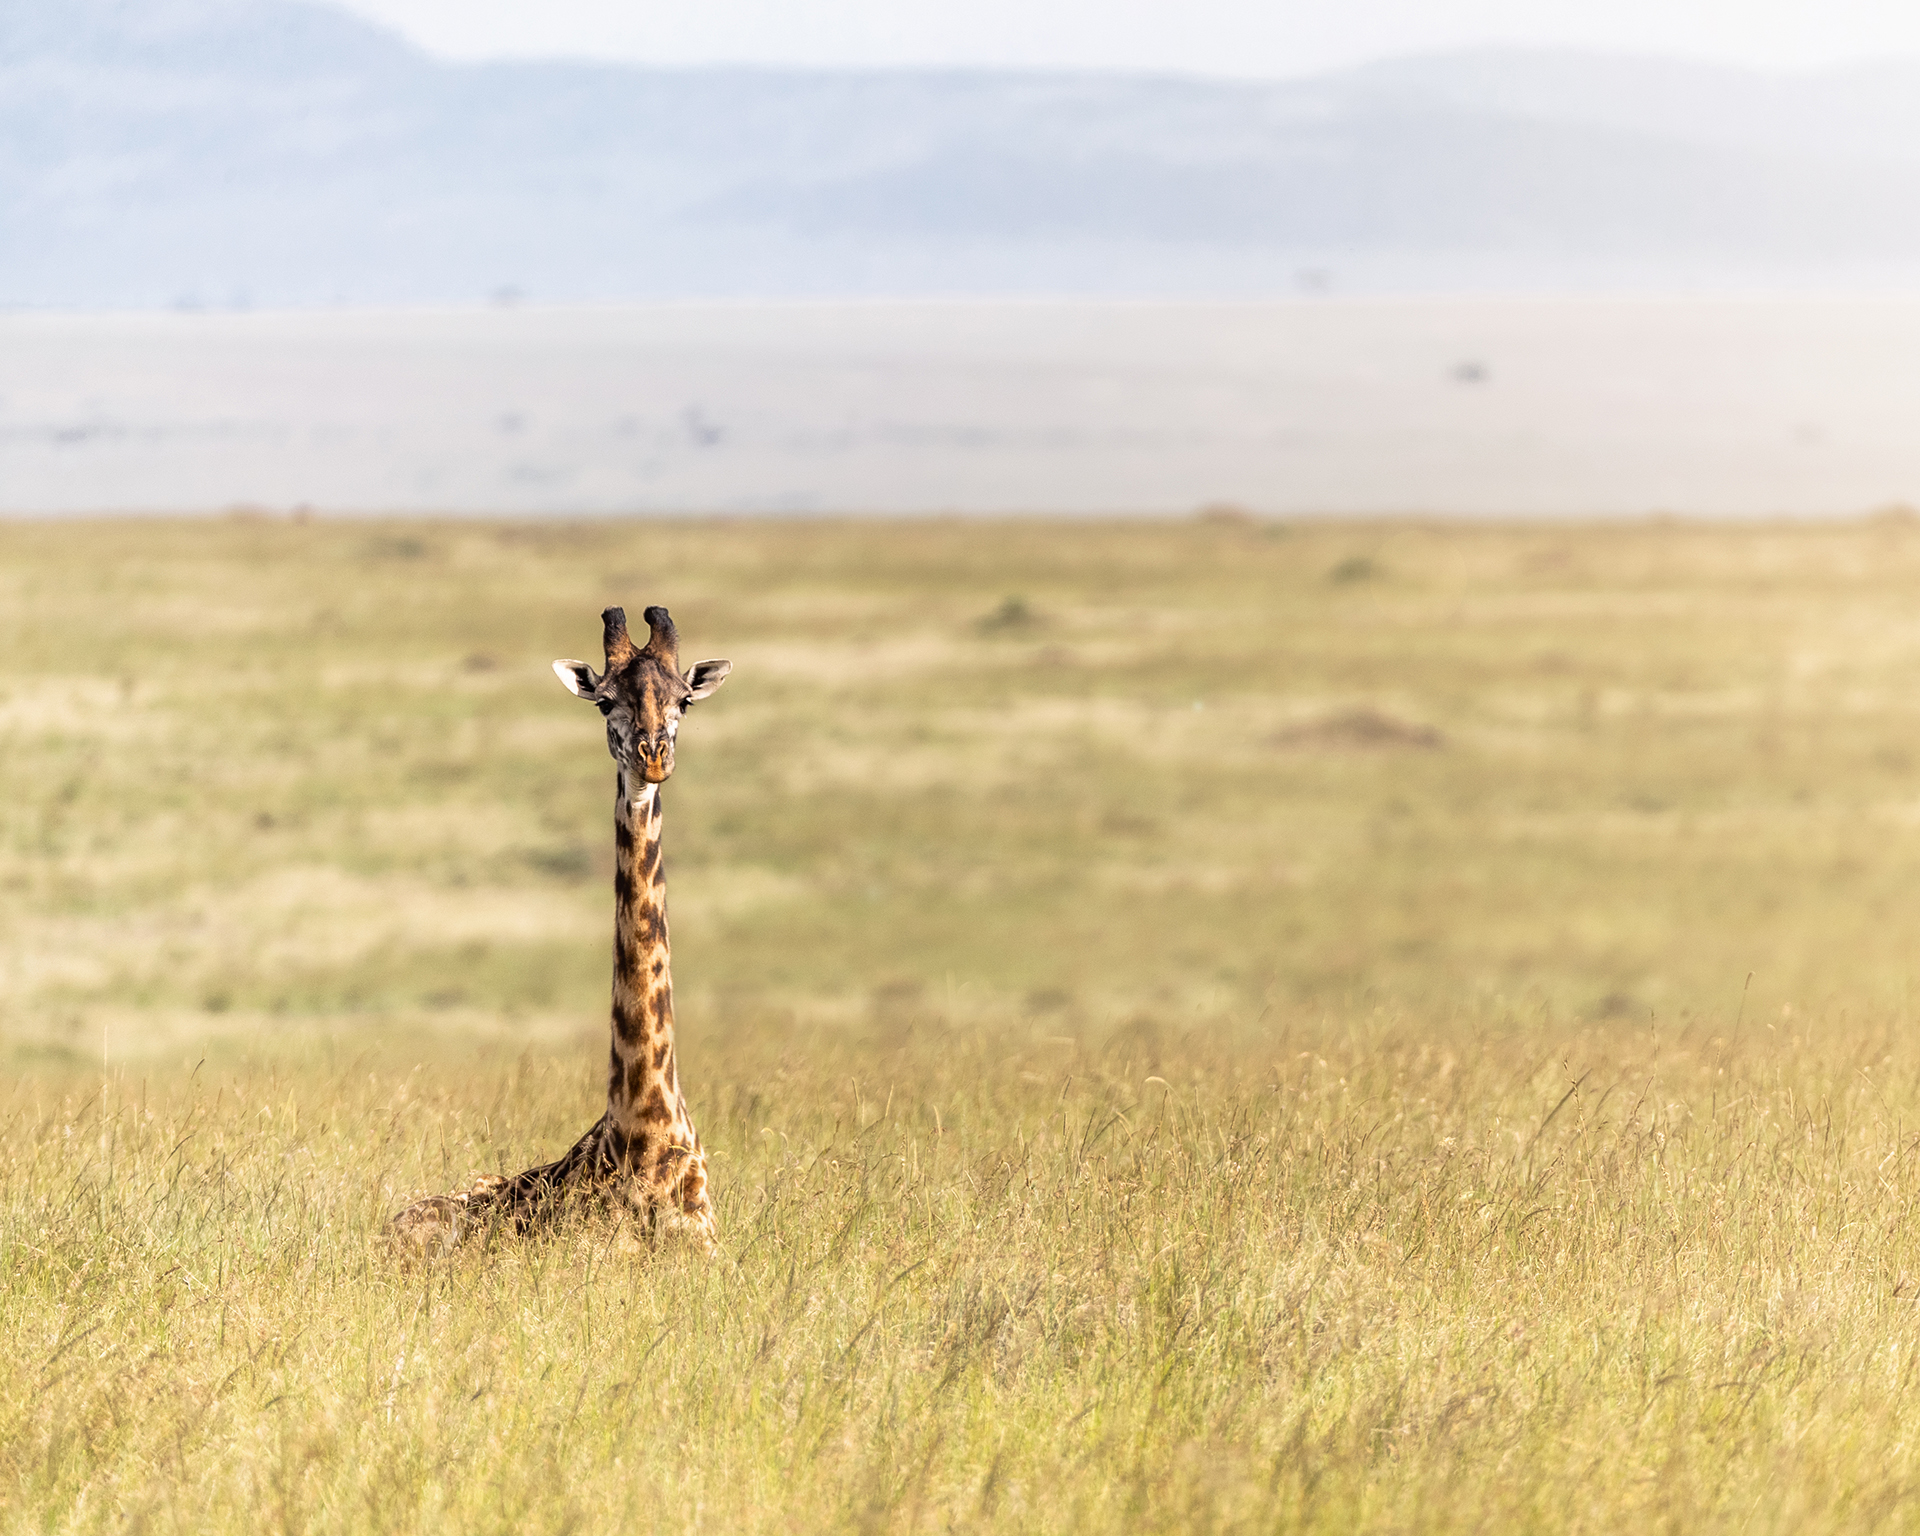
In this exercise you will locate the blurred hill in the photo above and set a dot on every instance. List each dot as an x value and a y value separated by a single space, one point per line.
264 152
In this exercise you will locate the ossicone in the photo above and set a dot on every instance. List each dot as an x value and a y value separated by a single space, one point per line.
619 644
663 640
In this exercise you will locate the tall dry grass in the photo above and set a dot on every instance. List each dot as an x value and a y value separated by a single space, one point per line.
1382 1275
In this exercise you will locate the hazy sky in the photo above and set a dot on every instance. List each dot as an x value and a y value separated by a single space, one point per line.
1242 37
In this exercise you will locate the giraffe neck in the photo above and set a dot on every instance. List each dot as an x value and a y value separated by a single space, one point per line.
643 1079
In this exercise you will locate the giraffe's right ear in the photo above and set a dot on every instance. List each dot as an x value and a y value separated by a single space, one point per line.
577 678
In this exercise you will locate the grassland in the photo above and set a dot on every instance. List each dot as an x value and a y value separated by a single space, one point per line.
1201 1026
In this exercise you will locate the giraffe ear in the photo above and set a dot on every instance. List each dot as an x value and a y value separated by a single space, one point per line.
577 678
705 677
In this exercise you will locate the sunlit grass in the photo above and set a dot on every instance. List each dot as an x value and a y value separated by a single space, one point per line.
1389 1275
1200 1026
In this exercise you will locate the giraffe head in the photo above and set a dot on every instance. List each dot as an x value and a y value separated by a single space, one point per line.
643 695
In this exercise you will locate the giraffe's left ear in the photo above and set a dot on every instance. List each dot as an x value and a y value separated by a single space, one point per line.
705 677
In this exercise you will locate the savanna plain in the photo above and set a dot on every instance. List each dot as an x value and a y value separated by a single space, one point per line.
1198 1026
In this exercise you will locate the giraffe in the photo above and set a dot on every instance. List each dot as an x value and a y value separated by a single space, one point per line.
643 1152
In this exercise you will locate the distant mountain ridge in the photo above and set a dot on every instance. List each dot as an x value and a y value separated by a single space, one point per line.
229 152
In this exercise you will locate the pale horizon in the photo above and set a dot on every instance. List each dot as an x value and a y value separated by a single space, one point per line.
1572 408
